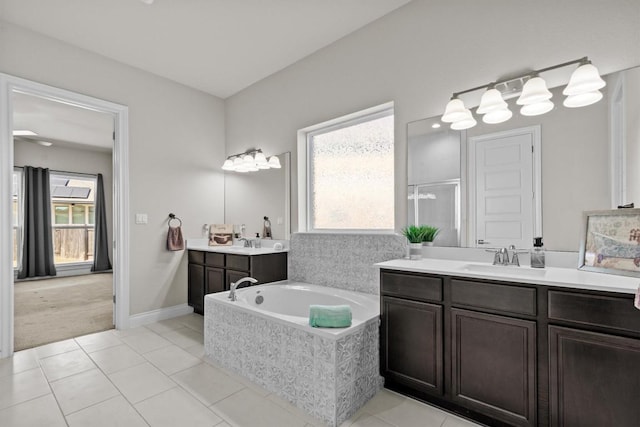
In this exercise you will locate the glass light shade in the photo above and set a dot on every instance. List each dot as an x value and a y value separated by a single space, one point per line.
260 158
228 165
497 116
274 162
491 101
585 78
455 111
248 160
537 108
583 99
237 164
465 123
534 90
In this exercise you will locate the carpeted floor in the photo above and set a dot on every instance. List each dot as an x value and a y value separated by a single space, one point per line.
52 310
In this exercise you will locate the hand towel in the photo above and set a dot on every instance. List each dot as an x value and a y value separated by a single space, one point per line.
637 300
175 242
329 316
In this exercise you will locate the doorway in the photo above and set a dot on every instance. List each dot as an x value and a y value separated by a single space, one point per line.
10 85
505 188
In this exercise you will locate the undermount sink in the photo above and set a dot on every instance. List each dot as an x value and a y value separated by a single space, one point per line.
504 270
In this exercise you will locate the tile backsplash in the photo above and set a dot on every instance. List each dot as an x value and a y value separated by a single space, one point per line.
343 261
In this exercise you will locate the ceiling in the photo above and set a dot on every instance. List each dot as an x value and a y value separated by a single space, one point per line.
217 46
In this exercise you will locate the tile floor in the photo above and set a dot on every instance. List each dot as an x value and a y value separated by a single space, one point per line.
157 375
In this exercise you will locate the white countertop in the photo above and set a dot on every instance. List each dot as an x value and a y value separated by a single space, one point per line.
202 245
550 276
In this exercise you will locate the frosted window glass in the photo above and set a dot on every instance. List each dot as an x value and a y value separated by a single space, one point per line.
351 177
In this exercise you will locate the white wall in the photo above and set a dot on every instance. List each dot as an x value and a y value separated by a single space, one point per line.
71 160
176 147
418 56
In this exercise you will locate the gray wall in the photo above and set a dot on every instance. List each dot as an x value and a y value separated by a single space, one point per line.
71 160
176 147
420 54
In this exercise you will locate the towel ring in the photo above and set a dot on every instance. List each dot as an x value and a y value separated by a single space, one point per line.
174 217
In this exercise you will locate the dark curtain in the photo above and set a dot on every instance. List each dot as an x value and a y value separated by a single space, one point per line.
101 240
37 245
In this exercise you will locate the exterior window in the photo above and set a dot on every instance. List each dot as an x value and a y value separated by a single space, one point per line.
350 173
17 218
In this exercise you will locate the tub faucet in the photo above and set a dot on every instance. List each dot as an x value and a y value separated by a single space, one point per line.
234 286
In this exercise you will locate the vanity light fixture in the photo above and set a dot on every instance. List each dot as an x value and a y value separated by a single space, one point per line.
250 161
535 98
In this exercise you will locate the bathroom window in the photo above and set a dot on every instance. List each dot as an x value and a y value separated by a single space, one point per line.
348 166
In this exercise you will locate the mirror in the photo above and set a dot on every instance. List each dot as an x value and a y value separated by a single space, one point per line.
589 157
251 196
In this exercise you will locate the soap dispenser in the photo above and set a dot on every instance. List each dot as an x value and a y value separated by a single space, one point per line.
537 253
257 243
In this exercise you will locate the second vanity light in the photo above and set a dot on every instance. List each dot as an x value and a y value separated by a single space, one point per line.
535 99
250 161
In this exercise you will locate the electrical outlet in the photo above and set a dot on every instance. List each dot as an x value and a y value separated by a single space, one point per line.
141 219
279 220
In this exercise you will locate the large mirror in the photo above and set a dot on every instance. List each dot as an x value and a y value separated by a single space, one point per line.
251 196
586 159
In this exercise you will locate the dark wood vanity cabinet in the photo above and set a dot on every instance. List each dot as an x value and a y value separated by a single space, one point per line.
511 354
211 272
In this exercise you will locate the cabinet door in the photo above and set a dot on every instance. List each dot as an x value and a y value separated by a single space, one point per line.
594 378
196 282
494 365
411 344
215 280
234 276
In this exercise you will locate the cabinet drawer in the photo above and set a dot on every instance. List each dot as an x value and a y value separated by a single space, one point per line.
411 286
492 296
214 259
196 257
596 310
238 262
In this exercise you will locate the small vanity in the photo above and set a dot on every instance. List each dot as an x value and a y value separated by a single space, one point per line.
512 346
214 268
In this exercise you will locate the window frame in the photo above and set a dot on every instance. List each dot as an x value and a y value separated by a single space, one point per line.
305 169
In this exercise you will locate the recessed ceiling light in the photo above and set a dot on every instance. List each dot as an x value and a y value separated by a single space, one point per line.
24 133
435 125
147 1
44 143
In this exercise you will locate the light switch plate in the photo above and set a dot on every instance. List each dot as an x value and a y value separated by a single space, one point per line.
141 219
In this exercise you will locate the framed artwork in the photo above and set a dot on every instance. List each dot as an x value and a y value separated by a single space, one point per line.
611 242
221 235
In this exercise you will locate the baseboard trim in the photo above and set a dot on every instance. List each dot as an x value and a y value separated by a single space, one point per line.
152 316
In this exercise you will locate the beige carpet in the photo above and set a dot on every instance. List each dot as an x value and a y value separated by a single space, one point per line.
51 310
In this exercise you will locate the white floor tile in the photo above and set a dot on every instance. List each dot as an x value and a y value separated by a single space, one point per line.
66 364
366 420
193 321
247 408
23 386
145 341
19 362
114 359
82 390
164 326
176 407
310 420
207 383
98 341
42 411
171 359
121 333
56 348
185 337
141 382
453 421
113 412
403 412
196 350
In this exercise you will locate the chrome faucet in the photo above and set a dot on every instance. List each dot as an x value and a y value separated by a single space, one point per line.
247 242
501 256
234 286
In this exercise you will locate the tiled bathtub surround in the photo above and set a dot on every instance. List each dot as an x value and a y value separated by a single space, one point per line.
327 377
343 261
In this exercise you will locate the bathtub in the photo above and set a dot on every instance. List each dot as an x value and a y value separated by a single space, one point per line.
264 336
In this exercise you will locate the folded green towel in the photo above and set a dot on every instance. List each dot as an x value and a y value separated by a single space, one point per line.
329 316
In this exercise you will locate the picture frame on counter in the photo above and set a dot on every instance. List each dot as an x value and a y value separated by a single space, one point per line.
221 235
610 242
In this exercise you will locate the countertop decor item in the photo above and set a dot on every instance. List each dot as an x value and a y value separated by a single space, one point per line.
415 236
220 235
610 242
429 234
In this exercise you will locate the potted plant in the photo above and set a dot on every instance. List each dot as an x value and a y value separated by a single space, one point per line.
415 236
429 234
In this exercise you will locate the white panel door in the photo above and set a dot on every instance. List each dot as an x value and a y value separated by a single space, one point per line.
504 190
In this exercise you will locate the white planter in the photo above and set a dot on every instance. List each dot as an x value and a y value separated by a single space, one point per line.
415 250
428 243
